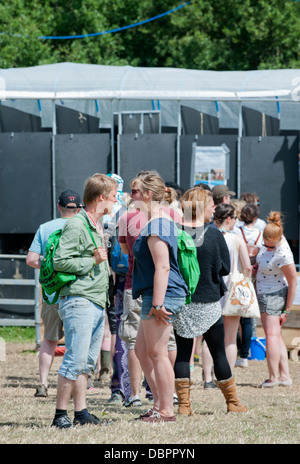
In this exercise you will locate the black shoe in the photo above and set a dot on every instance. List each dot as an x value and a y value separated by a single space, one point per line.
209 385
88 419
62 422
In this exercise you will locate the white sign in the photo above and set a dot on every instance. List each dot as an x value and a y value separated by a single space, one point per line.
210 165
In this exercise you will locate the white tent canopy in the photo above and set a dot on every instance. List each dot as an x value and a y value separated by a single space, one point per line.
84 81
130 88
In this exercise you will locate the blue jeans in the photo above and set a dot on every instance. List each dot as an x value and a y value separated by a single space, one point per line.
83 323
172 305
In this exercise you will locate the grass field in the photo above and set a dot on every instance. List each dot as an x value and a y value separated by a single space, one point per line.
273 416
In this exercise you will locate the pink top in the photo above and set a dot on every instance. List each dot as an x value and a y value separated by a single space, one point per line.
131 224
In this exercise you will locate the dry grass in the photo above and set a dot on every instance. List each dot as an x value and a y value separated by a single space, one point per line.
24 419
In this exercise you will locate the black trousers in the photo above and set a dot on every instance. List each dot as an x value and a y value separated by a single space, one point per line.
214 338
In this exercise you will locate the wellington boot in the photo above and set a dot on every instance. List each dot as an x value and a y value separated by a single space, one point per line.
105 366
228 389
183 389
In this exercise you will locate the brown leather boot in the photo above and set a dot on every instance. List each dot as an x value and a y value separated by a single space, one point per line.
183 388
228 389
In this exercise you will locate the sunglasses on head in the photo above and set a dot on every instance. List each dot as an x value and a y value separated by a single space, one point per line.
270 247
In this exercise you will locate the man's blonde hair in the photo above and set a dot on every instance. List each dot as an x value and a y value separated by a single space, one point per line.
98 184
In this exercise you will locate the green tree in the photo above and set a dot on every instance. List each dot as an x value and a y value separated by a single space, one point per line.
20 27
237 34
228 35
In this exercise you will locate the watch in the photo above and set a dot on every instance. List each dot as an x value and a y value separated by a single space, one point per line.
158 307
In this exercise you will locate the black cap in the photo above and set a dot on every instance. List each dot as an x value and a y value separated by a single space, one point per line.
67 197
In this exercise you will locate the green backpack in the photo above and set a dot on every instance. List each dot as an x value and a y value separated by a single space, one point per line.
53 281
188 262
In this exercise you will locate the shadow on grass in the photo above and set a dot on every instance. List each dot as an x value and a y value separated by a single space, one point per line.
24 382
28 425
247 385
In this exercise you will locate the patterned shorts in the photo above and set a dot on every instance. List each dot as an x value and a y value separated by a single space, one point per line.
196 318
273 303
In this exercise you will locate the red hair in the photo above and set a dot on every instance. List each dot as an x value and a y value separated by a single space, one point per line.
274 228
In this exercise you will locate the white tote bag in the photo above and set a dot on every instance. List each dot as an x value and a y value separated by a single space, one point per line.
240 299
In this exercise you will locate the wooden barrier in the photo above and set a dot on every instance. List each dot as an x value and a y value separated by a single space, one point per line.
294 349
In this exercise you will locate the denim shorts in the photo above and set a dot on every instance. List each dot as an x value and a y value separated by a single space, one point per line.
273 303
172 305
83 323
130 320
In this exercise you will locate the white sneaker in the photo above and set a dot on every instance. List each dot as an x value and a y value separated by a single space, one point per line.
241 362
268 384
135 401
285 383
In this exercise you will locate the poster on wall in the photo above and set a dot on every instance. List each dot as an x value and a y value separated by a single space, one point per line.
210 165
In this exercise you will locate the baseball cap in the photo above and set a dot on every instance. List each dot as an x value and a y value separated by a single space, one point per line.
222 191
69 196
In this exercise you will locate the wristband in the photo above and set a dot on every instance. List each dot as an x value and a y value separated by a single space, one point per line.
158 307
286 312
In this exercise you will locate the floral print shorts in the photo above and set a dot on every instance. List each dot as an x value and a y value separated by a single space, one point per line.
273 303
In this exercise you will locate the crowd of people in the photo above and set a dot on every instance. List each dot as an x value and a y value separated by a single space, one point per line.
142 304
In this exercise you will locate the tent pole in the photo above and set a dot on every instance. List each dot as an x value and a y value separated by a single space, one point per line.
178 144
112 141
53 160
240 133
120 131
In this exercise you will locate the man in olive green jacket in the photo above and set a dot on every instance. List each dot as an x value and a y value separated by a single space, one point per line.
83 301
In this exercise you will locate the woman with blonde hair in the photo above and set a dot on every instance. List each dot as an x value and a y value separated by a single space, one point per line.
157 278
225 219
203 316
238 205
276 283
